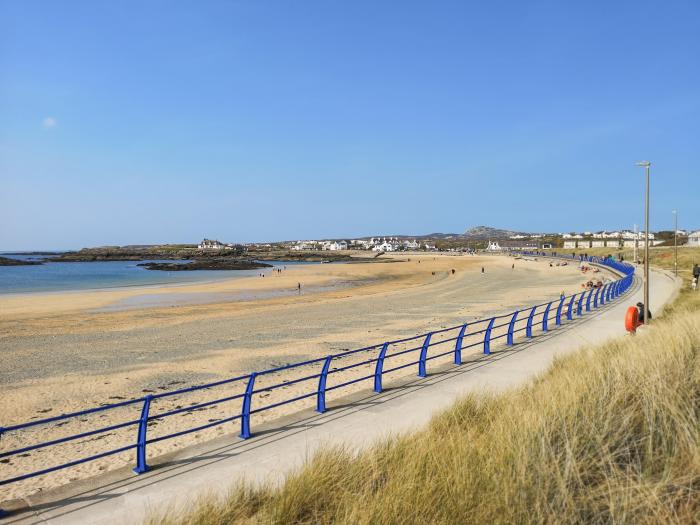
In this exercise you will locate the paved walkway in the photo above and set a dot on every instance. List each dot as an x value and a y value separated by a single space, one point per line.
122 497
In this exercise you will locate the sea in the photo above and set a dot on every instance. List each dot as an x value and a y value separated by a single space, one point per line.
68 276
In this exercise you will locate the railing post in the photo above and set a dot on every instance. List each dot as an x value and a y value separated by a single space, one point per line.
557 320
579 306
545 320
487 337
247 401
603 291
321 396
595 298
423 355
378 369
511 328
588 300
528 328
458 344
570 308
141 465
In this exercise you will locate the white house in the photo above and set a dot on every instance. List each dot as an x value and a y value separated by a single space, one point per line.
411 245
384 247
597 244
569 244
694 239
494 246
335 246
304 245
208 244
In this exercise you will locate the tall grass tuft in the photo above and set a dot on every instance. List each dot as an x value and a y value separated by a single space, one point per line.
609 434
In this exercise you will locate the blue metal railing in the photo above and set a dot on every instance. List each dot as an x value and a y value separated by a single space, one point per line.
380 355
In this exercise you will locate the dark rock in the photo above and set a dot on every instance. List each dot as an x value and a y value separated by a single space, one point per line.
6 261
213 264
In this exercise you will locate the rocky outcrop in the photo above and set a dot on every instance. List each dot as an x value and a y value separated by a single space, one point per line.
210 264
6 261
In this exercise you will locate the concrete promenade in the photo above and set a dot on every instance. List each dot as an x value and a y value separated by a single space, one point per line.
358 421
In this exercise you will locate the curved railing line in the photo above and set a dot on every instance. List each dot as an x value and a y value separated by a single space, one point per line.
563 308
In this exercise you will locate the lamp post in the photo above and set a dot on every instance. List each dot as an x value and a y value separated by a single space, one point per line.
646 165
675 243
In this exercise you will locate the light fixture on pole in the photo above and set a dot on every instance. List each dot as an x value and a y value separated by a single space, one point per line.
646 165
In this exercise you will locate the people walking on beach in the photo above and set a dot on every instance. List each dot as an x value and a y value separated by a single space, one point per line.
513 267
482 270
453 271
696 271
299 287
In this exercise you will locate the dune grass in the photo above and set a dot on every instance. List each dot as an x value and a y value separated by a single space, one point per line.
610 434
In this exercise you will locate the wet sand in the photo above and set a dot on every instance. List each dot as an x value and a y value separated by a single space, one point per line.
68 351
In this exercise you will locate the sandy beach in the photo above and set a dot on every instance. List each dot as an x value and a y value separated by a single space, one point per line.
68 351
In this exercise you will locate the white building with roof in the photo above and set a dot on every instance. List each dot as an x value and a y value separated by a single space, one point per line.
209 244
694 239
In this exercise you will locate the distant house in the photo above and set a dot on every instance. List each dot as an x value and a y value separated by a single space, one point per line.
597 244
694 239
335 245
494 247
384 247
569 244
208 244
519 245
304 245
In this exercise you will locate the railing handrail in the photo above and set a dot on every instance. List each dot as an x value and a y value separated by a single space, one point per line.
620 286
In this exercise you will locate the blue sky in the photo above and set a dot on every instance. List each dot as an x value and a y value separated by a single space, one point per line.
147 122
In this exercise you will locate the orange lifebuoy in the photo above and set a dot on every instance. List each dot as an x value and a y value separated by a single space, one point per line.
632 319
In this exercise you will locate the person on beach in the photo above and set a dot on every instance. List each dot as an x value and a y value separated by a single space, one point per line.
513 267
696 271
482 270
299 287
453 271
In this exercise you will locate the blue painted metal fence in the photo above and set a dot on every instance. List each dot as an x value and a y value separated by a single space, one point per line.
480 331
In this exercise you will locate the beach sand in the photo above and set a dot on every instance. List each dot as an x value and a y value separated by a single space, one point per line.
69 351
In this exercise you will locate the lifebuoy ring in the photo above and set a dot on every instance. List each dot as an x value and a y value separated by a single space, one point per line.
632 319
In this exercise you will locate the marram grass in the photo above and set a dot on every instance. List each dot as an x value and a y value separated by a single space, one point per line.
608 435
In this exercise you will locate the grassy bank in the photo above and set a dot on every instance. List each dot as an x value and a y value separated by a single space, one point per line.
610 434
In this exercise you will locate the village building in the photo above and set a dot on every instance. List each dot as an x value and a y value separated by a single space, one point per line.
694 239
335 245
304 245
208 244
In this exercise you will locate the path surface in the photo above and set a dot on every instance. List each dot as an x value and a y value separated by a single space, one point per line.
122 497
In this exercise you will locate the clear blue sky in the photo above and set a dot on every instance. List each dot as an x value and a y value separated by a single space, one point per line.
161 121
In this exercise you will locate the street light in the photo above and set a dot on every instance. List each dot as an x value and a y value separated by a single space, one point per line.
675 243
646 165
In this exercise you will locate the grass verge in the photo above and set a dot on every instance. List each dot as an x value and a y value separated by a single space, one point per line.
609 434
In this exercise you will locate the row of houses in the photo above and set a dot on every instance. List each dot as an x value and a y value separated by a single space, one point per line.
624 234
609 243
376 244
